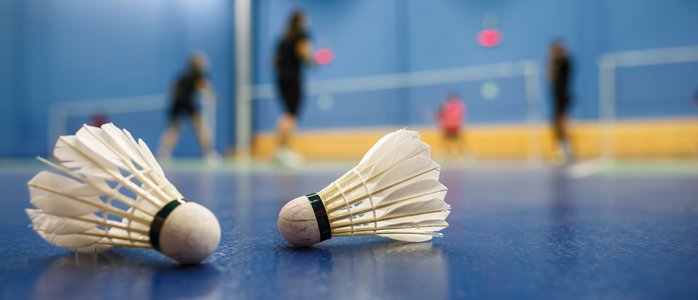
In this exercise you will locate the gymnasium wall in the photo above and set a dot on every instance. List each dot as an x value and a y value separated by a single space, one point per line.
385 37
56 51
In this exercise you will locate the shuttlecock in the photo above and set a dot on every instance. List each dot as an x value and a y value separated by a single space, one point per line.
116 194
393 192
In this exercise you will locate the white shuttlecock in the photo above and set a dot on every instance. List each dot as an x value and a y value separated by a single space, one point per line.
393 192
116 194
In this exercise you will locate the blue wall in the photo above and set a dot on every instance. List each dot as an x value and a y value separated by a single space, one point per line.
55 51
381 37
363 37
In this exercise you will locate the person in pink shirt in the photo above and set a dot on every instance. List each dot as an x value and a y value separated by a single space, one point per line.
451 117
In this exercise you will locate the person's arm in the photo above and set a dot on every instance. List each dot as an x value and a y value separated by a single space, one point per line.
205 88
304 50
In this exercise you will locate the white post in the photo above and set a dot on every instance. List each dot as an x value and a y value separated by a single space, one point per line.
209 112
243 76
532 86
607 109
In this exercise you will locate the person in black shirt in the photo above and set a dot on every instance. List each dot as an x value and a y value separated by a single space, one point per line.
190 83
559 71
292 52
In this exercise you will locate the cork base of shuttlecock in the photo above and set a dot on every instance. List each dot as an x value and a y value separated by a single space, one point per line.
190 234
297 223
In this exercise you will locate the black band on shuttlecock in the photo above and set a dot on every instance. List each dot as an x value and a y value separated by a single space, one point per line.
159 220
323 221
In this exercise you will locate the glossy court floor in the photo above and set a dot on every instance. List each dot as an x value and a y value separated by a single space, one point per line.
516 231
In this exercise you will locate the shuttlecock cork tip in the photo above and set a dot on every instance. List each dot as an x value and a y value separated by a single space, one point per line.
189 234
298 223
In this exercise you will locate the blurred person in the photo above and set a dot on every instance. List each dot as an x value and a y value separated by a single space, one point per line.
451 117
99 118
559 74
294 50
191 82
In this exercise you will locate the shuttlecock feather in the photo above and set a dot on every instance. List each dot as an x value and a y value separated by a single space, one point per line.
112 192
393 192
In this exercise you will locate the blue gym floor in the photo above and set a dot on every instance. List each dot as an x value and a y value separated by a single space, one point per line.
516 232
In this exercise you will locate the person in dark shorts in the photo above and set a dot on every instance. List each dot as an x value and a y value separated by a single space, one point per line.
293 51
559 71
191 83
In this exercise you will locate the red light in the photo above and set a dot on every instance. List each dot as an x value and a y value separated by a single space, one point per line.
324 56
489 37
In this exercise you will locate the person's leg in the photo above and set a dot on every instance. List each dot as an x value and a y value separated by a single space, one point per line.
451 140
462 142
443 146
562 129
168 140
449 143
284 154
203 134
452 147
560 119
291 93
458 140
286 126
558 134
561 134
565 135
